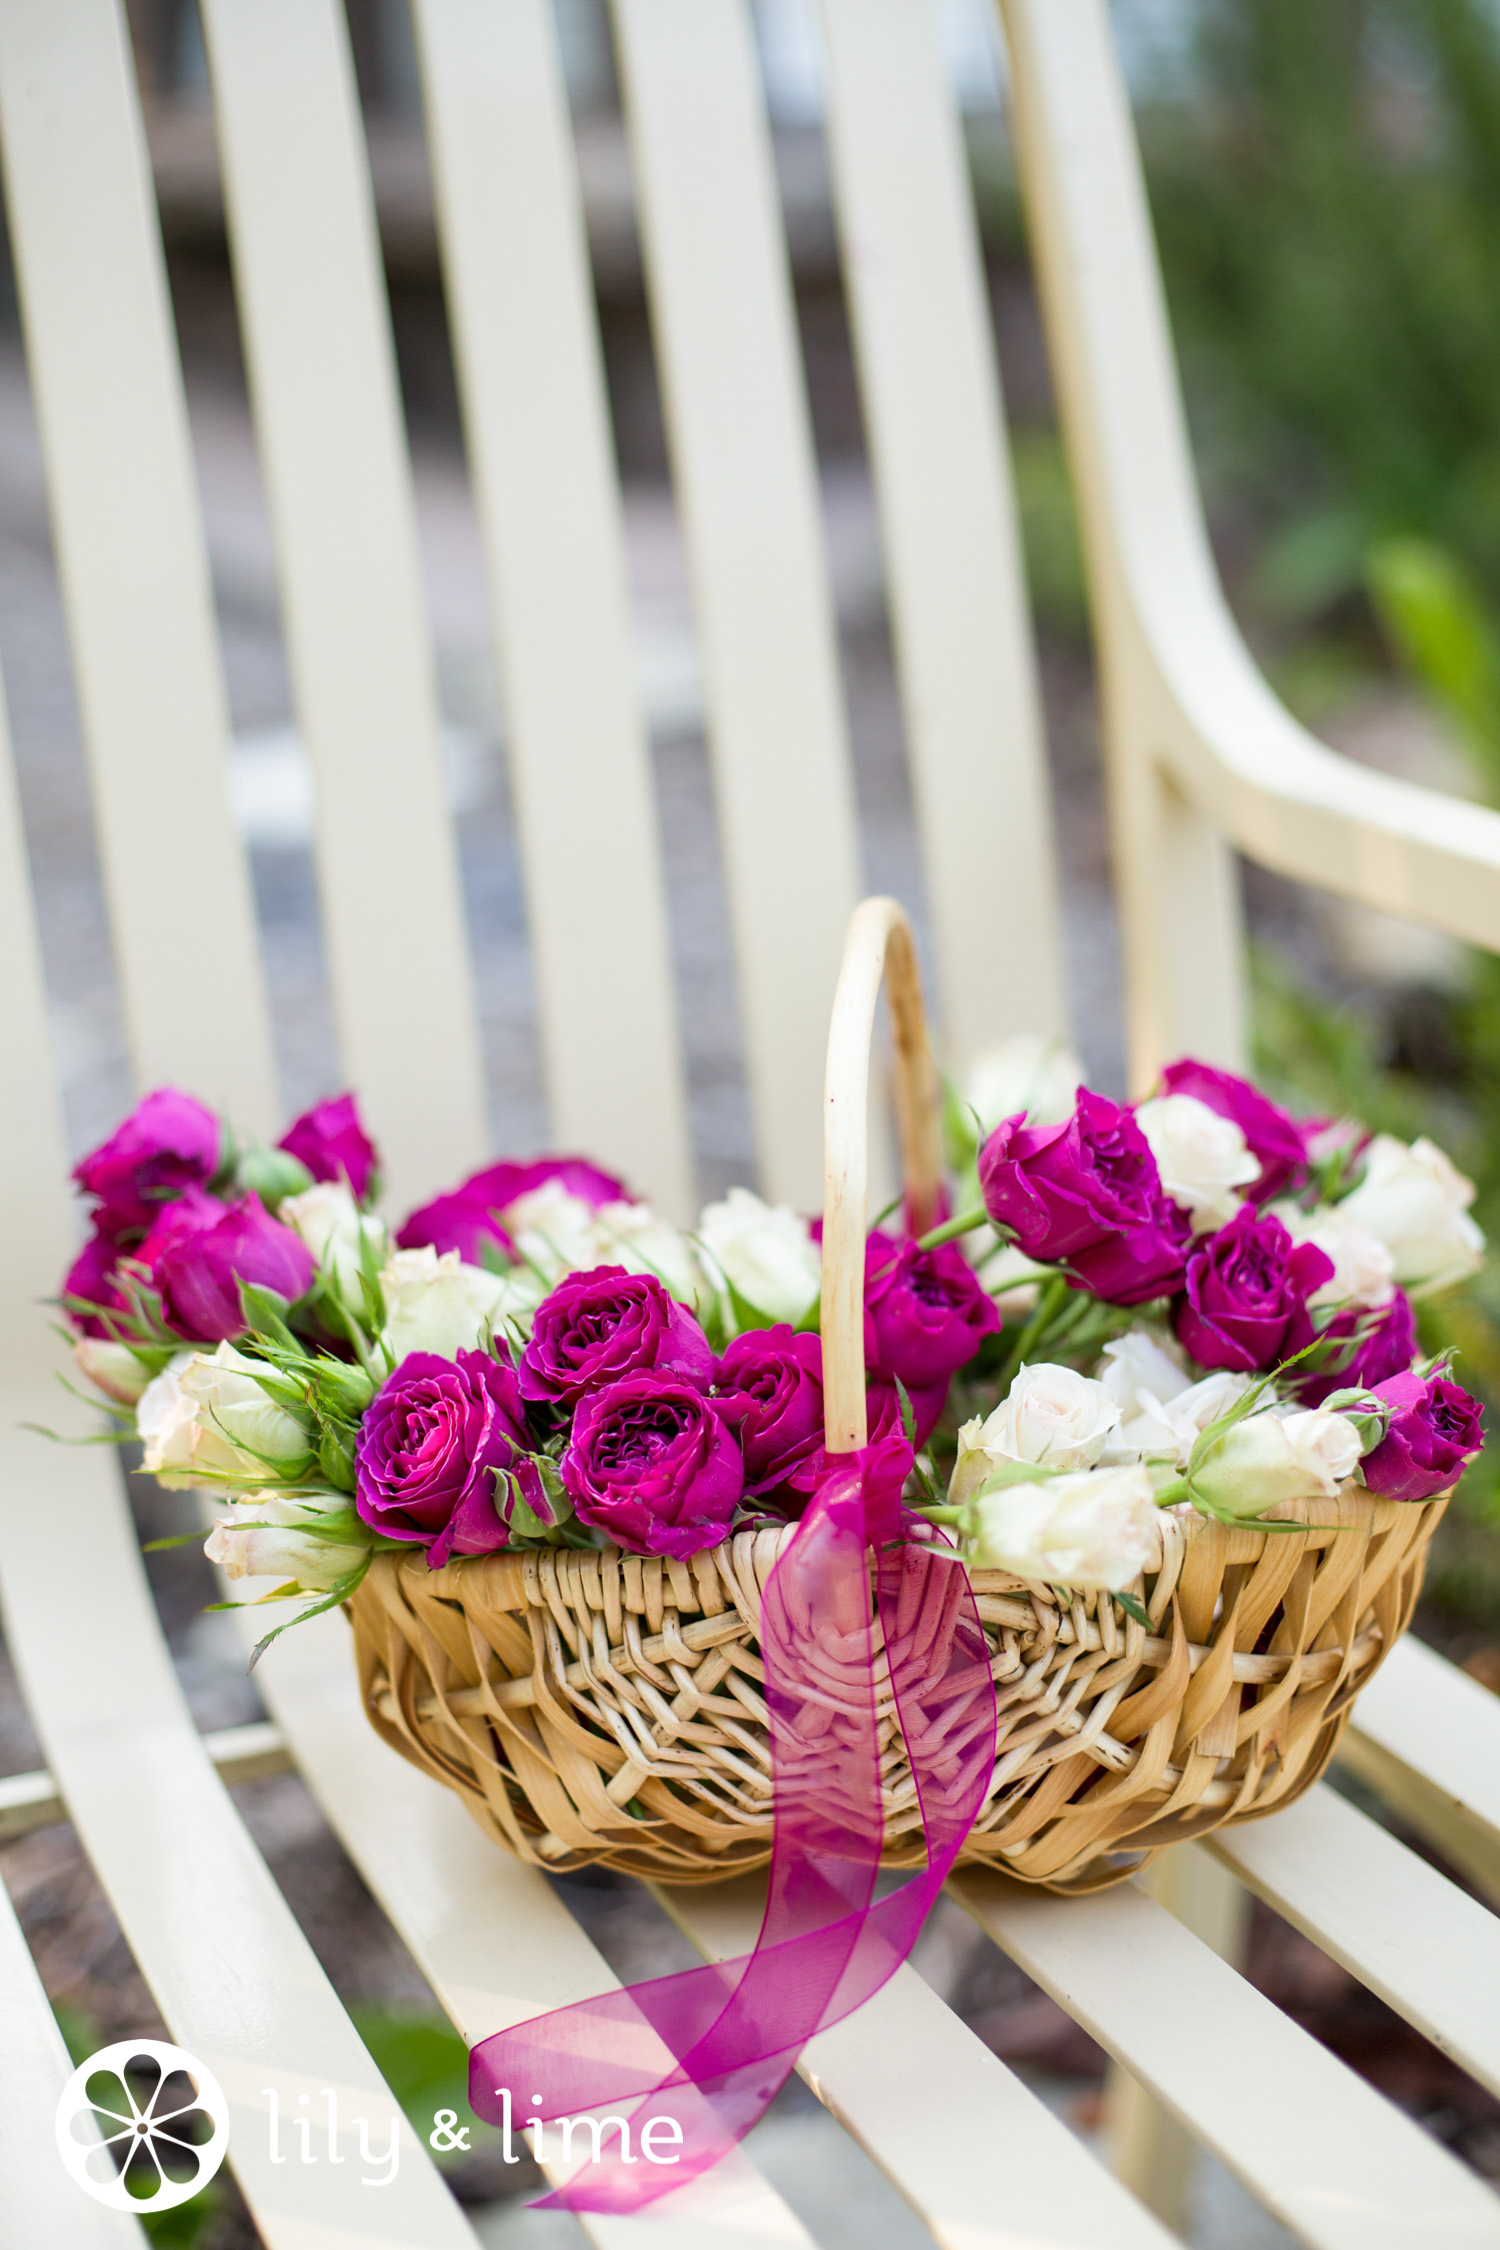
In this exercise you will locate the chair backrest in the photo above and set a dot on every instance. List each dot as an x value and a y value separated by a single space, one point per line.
318 349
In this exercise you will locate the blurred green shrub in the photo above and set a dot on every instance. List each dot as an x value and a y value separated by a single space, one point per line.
1328 208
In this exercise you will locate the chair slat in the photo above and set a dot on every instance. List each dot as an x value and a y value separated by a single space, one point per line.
41 2202
234 1977
1336 2162
978 2156
1428 1739
131 551
914 275
492 1938
516 258
741 444
323 380
1427 1948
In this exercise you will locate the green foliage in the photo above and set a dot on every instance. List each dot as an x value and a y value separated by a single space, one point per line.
1442 633
426 2066
1328 207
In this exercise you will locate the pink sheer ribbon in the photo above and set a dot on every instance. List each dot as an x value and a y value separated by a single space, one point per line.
733 2030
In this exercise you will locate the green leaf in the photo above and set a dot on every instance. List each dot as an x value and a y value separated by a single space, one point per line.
1131 1607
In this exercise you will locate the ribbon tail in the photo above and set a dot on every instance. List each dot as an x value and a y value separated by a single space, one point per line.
702 2054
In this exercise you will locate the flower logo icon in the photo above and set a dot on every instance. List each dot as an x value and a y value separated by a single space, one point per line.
142 2126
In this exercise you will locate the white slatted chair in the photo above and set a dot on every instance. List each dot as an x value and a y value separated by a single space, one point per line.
1201 761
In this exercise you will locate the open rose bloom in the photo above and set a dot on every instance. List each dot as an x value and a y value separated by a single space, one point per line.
536 1358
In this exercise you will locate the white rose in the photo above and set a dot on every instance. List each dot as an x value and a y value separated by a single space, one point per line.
331 1223
1201 1156
1416 1202
1140 1361
208 1420
1271 1457
557 1233
1024 1072
436 1303
164 1421
1050 1414
1098 1527
1363 1267
1167 1429
112 1368
765 1252
269 1548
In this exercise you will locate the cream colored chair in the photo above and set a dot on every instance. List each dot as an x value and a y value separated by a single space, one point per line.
1201 761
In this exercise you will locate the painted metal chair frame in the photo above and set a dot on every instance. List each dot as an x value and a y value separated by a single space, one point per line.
1201 761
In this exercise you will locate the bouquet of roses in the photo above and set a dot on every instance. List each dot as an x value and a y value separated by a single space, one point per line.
1195 1302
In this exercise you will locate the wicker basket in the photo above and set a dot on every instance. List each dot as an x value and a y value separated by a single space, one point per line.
606 1708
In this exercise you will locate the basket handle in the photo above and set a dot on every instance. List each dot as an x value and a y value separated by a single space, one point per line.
879 944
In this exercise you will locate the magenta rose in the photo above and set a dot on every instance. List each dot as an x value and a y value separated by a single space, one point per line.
1273 1138
1245 1303
1130 1269
458 1221
330 1140
769 1388
167 1143
925 1312
599 1326
473 1214
1434 1432
203 1259
653 1465
1387 1347
885 1426
432 1441
1086 1195
92 1277
98 1273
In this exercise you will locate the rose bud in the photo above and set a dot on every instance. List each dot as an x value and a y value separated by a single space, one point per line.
1387 1346
1050 1414
1087 1195
653 1465
1096 1527
425 1464
769 1389
1434 1431
267 1548
200 1268
1246 1294
1270 1457
765 1254
111 1368
1272 1137
208 1419
168 1142
926 1314
1417 1203
338 1233
600 1326
330 1140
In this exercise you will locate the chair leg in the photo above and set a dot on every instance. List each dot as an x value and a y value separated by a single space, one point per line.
1150 2152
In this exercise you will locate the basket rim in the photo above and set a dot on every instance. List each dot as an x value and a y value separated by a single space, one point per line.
1354 1507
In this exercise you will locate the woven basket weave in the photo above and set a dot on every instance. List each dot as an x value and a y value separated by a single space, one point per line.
599 1708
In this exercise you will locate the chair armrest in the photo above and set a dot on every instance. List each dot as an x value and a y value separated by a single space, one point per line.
1182 693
